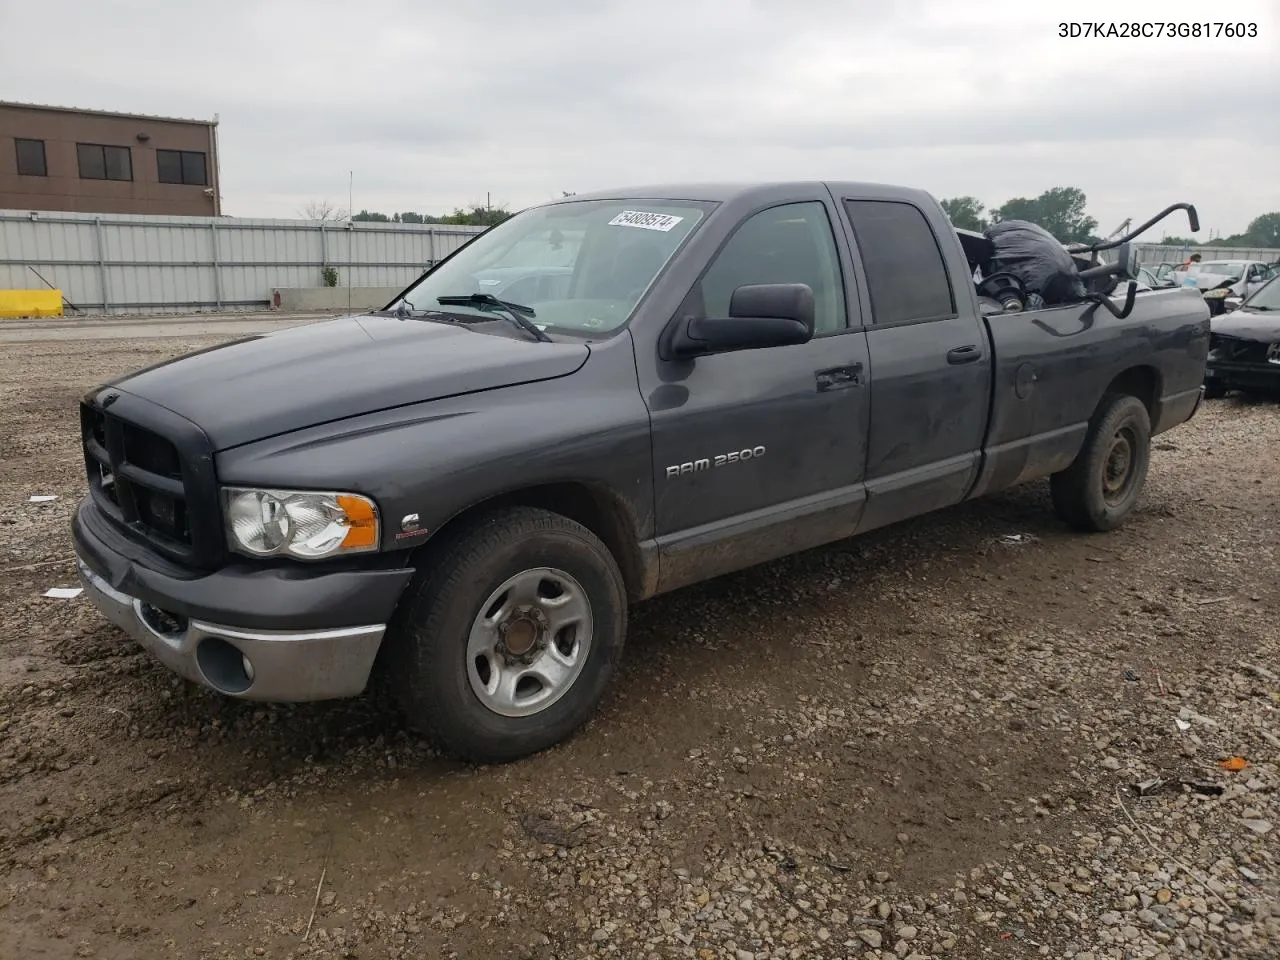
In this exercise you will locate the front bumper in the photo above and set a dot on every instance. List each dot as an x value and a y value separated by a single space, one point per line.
269 634
251 664
1244 376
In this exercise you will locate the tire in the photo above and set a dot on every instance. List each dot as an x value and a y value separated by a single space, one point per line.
1101 487
454 678
1214 389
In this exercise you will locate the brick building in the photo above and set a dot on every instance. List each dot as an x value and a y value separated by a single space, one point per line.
94 161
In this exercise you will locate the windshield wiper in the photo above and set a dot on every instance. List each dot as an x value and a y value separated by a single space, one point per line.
517 313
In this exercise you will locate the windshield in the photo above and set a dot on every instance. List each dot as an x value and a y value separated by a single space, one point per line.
1267 297
582 266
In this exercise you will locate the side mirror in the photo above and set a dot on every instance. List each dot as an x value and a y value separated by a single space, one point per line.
760 315
1127 257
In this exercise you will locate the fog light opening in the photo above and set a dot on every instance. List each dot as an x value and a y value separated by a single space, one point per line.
165 625
224 666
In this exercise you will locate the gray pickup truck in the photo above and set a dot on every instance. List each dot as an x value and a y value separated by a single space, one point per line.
600 400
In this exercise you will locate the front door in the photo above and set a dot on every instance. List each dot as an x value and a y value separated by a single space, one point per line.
759 453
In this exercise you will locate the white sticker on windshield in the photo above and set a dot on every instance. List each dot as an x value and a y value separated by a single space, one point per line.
645 221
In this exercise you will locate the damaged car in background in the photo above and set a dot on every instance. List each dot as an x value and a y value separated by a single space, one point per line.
1244 346
1225 283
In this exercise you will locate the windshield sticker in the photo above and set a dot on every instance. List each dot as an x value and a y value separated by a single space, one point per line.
645 221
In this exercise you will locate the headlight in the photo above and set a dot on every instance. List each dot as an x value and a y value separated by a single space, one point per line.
298 523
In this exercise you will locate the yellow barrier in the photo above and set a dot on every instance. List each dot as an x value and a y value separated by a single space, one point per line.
30 303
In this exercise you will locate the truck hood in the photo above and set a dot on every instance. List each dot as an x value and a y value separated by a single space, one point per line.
266 385
1245 324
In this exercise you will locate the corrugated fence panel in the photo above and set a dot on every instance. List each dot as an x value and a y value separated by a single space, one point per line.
1169 253
149 264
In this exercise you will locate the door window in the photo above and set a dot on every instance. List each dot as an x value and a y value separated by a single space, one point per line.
792 243
906 275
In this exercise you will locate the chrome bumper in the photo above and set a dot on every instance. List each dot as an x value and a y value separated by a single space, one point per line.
268 665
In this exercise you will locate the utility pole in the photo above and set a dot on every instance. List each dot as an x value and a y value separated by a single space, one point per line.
351 236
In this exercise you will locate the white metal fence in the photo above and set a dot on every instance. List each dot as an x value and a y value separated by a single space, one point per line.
1171 253
117 263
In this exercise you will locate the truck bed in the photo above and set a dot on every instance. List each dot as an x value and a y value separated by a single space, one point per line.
1052 366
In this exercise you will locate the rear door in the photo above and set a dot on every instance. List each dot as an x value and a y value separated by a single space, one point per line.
929 357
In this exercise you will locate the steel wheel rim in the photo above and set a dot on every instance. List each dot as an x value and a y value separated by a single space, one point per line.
529 642
1118 467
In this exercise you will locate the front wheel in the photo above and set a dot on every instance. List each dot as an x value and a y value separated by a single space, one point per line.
509 635
1101 487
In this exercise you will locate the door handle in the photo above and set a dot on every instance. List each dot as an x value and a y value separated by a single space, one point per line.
965 354
838 378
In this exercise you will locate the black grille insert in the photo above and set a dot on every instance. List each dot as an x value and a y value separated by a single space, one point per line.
143 481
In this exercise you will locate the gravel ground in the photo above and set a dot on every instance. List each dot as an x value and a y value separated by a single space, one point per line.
938 741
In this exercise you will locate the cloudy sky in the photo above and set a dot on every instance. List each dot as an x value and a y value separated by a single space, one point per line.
431 104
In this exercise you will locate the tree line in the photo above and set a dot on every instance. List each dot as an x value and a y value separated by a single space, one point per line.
1061 211
476 216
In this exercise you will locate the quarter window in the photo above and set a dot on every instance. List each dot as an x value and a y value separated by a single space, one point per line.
906 275
792 243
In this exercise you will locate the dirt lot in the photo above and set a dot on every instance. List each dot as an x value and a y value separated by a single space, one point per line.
925 743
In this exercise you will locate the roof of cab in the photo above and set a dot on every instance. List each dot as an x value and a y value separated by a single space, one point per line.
726 191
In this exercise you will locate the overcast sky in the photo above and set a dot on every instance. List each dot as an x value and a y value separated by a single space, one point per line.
434 104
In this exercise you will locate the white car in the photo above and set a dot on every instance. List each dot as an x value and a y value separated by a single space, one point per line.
1219 280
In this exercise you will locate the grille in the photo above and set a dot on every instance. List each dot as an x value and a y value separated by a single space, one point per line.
1238 351
136 478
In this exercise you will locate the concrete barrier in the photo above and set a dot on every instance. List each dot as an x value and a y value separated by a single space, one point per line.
331 298
32 303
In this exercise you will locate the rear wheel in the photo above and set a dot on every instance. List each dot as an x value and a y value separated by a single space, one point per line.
1101 487
509 635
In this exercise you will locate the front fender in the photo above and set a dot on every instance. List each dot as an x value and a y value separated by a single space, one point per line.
436 459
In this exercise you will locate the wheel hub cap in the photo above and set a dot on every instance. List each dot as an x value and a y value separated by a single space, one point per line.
1115 476
529 642
523 633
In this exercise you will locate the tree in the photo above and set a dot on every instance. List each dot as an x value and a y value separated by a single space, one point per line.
322 210
1264 231
409 217
1059 210
965 213
477 216
365 216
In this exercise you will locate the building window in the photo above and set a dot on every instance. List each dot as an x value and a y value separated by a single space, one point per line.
98 162
31 161
182 166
